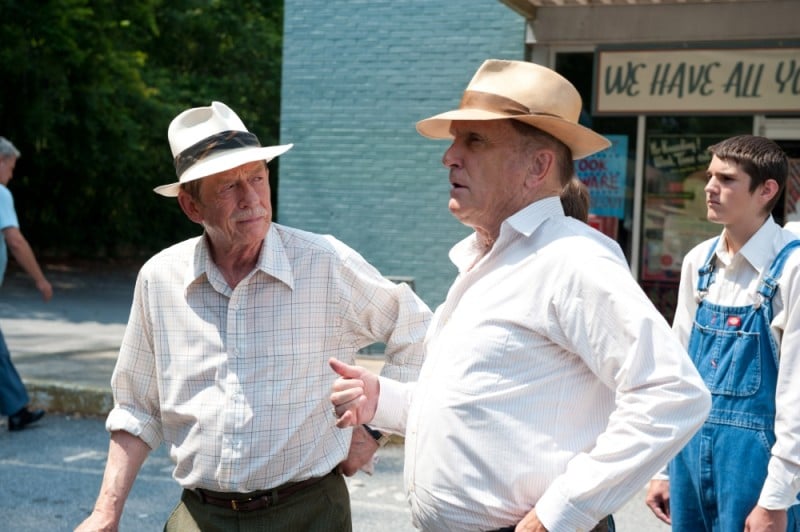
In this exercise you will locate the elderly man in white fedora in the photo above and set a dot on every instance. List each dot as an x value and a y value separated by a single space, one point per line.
225 355
552 389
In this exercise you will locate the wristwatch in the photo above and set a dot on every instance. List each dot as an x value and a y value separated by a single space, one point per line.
380 437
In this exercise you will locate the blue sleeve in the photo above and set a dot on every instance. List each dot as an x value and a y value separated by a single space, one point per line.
8 216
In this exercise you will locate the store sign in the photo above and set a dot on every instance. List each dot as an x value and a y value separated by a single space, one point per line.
698 81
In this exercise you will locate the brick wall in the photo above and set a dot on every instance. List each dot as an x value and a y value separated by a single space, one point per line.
357 75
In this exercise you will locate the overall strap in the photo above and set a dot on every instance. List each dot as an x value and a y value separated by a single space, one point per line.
769 283
706 272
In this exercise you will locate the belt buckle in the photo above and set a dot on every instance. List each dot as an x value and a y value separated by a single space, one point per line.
235 504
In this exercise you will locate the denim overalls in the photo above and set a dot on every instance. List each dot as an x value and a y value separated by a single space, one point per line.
715 481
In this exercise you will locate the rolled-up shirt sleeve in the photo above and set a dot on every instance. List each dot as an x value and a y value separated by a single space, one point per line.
134 382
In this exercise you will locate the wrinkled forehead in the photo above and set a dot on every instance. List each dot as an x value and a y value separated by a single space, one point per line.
246 169
243 171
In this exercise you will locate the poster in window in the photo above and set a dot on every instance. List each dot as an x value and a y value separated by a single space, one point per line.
605 174
675 208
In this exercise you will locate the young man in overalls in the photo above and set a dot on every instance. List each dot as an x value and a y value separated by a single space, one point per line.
739 314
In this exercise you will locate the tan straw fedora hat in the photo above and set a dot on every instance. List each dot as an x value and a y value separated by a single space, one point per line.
208 140
526 92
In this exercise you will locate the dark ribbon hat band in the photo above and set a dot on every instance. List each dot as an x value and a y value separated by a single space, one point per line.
224 141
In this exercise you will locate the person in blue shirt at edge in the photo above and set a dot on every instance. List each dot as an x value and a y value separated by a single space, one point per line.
738 313
14 397
224 357
552 388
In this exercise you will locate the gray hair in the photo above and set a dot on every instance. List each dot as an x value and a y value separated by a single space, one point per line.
7 149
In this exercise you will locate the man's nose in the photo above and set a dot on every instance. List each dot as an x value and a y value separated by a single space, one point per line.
248 193
450 158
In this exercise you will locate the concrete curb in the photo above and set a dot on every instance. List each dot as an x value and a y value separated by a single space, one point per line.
69 399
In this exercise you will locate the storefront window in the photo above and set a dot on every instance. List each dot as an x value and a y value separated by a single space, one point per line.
675 161
674 213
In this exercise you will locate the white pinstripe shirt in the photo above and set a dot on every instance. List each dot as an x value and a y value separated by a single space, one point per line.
550 380
236 382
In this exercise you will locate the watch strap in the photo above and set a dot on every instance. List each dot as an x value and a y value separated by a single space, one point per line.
379 437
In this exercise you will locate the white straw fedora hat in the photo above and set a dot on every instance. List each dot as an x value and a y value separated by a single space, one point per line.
208 140
526 92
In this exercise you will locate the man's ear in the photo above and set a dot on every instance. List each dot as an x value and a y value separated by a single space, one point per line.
541 163
769 189
189 205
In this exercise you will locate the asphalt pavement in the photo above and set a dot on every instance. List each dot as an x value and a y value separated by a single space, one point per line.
65 351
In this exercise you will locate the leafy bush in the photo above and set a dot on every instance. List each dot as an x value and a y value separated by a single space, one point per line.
88 90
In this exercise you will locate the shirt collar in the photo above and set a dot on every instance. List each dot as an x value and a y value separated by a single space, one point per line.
523 222
272 260
757 251
531 217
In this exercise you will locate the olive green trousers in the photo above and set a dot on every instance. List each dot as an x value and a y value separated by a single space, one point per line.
322 507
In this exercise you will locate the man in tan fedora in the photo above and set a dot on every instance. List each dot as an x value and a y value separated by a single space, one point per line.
552 389
224 358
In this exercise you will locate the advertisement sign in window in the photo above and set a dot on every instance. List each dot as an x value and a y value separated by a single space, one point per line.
605 174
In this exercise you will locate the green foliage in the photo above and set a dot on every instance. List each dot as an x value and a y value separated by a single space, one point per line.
88 90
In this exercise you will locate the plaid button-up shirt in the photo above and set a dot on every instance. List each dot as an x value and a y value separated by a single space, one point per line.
236 382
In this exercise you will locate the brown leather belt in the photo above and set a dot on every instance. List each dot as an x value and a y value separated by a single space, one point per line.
257 500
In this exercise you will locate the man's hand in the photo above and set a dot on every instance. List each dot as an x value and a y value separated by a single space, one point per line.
530 523
44 288
99 522
355 394
362 449
763 520
657 499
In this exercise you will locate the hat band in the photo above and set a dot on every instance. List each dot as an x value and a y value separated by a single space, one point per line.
496 103
224 141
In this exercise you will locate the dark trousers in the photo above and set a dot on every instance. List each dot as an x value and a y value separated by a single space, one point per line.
13 395
606 525
322 507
